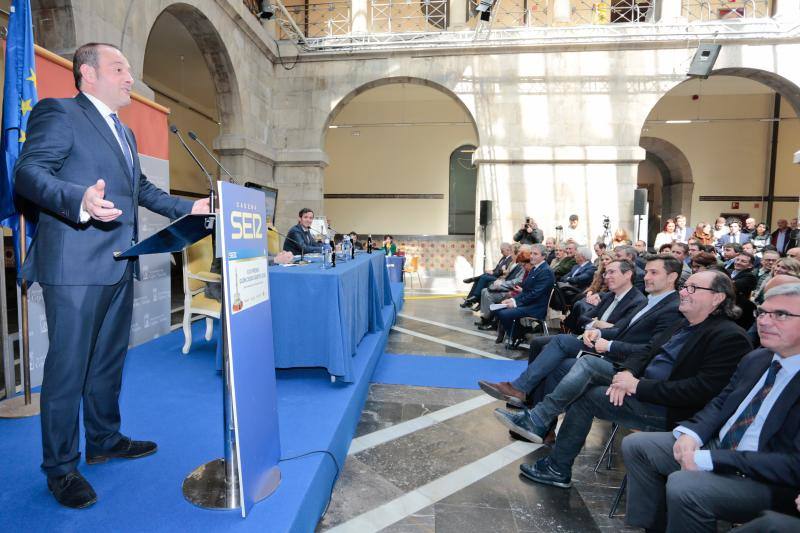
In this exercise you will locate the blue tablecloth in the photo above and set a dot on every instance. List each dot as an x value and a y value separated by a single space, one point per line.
319 316
395 264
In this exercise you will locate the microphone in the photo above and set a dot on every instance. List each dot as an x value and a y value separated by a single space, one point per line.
211 194
193 136
300 244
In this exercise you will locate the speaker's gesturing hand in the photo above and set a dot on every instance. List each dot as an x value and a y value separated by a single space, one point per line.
97 206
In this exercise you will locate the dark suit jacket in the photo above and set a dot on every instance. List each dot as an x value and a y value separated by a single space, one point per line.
625 309
703 367
69 147
536 289
725 239
503 263
637 339
580 276
744 282
787 241
638 279
297 236
777 461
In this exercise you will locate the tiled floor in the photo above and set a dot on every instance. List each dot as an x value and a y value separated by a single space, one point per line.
461 474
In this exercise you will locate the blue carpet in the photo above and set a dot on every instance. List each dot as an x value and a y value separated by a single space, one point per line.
444 372
176 401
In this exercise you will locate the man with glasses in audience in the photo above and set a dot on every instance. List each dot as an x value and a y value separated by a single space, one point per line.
688 365
738 456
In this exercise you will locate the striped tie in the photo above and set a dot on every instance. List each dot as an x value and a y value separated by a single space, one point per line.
737 430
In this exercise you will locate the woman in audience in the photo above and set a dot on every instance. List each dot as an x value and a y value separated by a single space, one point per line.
389 247
621 238
667 236
787 265
703 233
760 238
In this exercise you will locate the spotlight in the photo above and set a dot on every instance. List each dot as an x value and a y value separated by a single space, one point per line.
265 10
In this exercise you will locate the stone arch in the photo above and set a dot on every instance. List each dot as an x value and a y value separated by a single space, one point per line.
392 80
676 173
784 87
217 58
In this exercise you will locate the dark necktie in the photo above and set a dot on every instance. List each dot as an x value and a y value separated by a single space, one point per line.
737 430
123 139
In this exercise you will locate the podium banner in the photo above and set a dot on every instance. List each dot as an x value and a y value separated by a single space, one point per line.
251 360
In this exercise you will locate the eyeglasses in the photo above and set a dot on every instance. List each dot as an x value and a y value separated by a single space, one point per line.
691 289
778 315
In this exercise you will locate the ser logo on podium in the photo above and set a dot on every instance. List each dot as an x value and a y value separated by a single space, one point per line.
246 224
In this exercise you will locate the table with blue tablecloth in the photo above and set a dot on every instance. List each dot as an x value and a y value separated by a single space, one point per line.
395 264
319 316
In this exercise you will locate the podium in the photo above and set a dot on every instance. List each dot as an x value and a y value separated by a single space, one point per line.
248 470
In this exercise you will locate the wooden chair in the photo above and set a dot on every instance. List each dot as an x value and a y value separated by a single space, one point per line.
412 267
196 274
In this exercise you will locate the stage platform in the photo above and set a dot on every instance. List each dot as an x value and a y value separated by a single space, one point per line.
176 400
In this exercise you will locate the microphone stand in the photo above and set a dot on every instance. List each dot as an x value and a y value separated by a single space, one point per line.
300 244
193 136
211 194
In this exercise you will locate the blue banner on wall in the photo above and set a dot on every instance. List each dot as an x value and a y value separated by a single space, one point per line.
248 317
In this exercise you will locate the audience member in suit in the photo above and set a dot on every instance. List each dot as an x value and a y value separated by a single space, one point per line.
774 281
616 305
481 282
550 245
534 293
734 237
782 236
630 339
629 253
640 247
591 297
299 239
738 456
80 167
688 365
680 251
580 276
729 253
749 248
500 288
749 226
772 522
683 233
744 279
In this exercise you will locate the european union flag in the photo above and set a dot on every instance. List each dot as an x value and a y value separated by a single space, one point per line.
19 97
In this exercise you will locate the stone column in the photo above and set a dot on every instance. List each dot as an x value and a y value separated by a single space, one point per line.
551 183
359 17
457 15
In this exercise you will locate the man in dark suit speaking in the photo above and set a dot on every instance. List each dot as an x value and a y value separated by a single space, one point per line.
80 167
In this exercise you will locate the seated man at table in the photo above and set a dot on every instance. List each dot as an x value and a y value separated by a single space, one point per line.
502 288
481 282
534 293
299 239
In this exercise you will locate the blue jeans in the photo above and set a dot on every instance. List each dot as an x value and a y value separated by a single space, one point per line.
632 414
484 280
559 348
587 372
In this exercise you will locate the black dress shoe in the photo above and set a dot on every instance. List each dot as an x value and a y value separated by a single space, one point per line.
124 449
470 280
72 490
487 326
501 335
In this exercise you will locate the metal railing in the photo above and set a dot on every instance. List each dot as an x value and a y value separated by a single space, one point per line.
324 19
400 16
706 10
